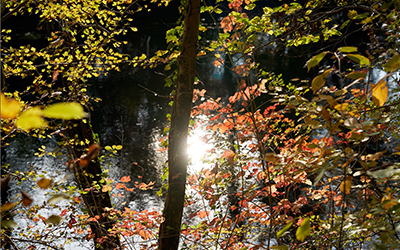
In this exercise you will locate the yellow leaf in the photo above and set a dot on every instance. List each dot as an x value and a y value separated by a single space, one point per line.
65 111
7 206
31 118
44 183
341 107
10 108
345 186
379 93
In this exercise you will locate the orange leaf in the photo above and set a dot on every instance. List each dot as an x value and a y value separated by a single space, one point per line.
106 188
44 183
126 179
203 214
92 153
145 234
120 185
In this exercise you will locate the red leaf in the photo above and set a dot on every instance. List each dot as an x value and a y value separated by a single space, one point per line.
64 212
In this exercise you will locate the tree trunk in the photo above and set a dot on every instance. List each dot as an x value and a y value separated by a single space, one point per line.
95 200
177 149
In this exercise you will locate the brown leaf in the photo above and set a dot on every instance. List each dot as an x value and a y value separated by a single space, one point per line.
44 183
53 219
7 206
26 199
92 153
345 186
4 181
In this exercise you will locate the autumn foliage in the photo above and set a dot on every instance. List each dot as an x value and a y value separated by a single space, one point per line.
310 162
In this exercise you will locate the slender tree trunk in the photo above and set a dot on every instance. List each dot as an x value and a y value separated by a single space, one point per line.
95 200
177 149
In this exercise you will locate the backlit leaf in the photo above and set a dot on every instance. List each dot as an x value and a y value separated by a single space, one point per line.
347 49
53 219
7 206
280 247
379 93
315 60
283 230
65 111
44 183
304 230
31 118
319 81
362 60
26 199
345 186
10 108
58 197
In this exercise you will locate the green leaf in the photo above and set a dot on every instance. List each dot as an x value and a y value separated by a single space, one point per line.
362 60
304 230
8 223
283 230
31 118
347 49
65 111
218 11
393 63
250 6
319 81
356 75
315 60
321 174
252 38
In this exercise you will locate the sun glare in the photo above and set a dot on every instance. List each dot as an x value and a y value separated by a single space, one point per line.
197 149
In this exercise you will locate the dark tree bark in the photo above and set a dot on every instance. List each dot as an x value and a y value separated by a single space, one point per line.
177 149
95 200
